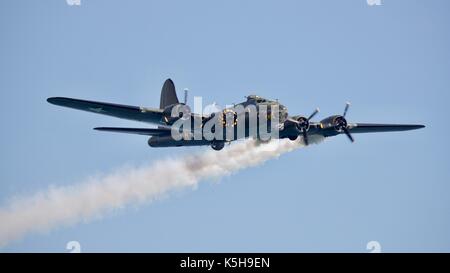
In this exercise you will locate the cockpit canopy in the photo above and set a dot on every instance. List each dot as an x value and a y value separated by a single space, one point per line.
257 99
282 110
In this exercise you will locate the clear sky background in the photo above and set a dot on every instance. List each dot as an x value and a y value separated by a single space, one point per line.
391 61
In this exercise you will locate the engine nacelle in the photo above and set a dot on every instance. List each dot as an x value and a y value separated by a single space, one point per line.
338 123
303 124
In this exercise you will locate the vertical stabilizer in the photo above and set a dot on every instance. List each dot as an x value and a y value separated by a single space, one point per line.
168 94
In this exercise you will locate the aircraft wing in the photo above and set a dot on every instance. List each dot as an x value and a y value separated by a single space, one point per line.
138 131
136 113
356 128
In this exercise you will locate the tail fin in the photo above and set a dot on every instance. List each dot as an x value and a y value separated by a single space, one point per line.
168 94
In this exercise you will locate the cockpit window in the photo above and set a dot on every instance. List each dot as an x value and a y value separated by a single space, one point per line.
258 99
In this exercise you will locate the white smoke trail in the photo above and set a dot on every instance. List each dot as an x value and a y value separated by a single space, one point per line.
97 196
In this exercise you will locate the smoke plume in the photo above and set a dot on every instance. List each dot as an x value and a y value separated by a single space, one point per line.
96 197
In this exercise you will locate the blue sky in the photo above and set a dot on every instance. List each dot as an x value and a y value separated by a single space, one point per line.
391 61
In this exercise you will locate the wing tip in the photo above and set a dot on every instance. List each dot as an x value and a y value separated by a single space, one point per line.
53 100
57 100
408 127
101 128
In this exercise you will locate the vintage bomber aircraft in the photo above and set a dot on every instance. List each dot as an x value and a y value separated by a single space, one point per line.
290 126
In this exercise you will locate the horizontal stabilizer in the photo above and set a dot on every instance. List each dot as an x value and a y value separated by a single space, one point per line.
138 131
136 113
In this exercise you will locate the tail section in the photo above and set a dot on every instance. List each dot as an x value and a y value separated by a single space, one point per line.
168 94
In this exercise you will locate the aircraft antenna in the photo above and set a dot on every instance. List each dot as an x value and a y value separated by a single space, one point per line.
186 95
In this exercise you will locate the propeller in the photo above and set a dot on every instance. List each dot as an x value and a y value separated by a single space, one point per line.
347 105
342 125
347 133
314 113
304 132
302 124
186 95
302 119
